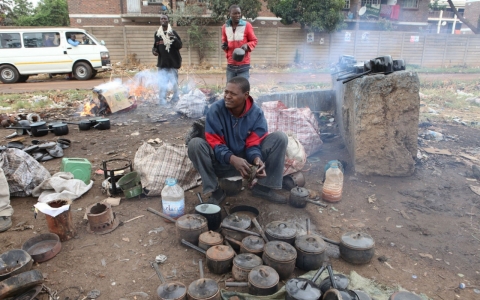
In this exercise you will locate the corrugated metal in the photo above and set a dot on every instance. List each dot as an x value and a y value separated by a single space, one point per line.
133 6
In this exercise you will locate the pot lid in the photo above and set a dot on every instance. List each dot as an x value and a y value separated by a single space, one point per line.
299 192
40 123
310 243
263 277
357 240
203 288
281 229
361 295
191 222
295 288
102 120
172 290
404 295
280 251
253 243
247 261
220 253
342 282
211 238
238 220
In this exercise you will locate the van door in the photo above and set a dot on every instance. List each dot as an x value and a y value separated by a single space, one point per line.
44 54
82 47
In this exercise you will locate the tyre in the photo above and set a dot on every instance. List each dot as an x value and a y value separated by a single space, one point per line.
82 71
94 73
23 78
9 74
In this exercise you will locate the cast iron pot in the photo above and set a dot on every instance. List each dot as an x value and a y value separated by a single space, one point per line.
298 199
58 129
379 65
335 292
23 127
341 281
188 227
310 250
203 288
281 256
169 291
281 231
209 239
238 54
399 65
303 289
292 180
102 124
83 125
212 212
355 247
219 258
36 129
243 264
234 221
250 244
262 281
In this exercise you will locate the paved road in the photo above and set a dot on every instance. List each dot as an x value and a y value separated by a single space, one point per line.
59 83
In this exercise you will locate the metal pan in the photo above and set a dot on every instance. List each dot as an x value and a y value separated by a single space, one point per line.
43 247
19 284
15 261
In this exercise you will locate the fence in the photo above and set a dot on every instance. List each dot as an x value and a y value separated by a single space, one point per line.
281 46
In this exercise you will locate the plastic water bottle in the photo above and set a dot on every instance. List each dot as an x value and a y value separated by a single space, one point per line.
333 185
173 199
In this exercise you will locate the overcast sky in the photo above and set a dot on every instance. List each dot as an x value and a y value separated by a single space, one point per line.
34 2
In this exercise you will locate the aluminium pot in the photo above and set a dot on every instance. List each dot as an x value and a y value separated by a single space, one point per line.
209 239
303 289
219 257
243 264
169 290
102 124
311 250
236 220
262 281
355 247
203 288
36 129
281 231
281 256
212 212
297 198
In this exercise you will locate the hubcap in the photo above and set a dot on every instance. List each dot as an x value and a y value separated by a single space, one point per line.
81 71
7 74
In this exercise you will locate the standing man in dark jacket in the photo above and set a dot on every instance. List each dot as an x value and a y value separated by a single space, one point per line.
236 138
167 47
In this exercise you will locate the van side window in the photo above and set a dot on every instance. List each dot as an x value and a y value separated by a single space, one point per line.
41 39
10 40
78 38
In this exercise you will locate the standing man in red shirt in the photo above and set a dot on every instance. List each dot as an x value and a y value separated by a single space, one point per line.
237 33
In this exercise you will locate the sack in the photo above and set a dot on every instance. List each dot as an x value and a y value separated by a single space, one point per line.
298 122
156 165
192 104
295 157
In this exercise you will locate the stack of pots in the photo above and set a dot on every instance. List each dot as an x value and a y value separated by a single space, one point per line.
281 256
243 264
281 231
209 239
310 251
238 221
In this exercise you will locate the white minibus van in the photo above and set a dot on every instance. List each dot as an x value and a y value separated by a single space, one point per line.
32 51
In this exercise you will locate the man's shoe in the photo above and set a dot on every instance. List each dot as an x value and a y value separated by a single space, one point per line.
217 197
5 223
268 194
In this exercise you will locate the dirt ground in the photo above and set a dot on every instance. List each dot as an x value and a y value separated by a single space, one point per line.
425 226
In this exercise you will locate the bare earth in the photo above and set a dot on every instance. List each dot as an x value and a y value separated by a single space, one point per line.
426 225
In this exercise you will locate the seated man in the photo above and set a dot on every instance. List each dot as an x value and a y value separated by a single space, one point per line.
72 40
48 40
236 138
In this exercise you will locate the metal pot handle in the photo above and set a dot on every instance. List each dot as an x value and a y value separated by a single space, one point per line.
157 270
263 273
332 277
193 247
161 215
259 228
235 284
308 226
239 230
200 265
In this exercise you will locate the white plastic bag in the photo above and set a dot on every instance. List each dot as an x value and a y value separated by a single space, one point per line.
192 104
295 156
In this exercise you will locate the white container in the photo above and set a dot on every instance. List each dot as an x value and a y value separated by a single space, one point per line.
333 185
173 199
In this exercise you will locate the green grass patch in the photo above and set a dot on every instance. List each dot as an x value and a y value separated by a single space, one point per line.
38 101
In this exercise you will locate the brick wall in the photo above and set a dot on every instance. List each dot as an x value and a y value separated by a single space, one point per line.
419 14
472 13
94 7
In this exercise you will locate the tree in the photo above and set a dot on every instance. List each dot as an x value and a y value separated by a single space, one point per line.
324 15
5 11
474 29
250 8
22 9
47 13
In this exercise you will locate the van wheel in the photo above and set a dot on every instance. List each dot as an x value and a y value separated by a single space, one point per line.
94 73
9 74
82 71
23 78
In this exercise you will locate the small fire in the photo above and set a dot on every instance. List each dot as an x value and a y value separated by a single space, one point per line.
87 109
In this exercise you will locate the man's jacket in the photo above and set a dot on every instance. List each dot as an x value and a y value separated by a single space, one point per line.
241 136
166 59
243 35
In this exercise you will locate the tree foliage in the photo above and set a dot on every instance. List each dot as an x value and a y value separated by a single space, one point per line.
5 11
47 13
324 15
22 9
250 8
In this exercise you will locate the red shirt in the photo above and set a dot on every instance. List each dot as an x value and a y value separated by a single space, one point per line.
243 34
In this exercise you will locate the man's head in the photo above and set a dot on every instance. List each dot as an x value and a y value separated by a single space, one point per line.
235 13
236 93
164 21
73 37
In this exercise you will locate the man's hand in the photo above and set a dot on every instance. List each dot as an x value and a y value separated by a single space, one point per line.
241 165
245 47
154 51
225 46
261 167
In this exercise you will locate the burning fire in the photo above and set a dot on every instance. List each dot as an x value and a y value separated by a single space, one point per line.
88 108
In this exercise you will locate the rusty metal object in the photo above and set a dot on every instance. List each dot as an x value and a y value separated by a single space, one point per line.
243 264
19 284
281 231
101 218
235 226
281 256
62 225
43 246
253 244
14 262
220 259
190 226
293 180
209 239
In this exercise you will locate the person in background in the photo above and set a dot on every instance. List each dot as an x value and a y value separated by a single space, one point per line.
48 40
72 40
237 33
236 138
166 47
86 40
6 210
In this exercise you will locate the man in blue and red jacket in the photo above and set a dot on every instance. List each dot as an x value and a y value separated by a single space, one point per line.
236 137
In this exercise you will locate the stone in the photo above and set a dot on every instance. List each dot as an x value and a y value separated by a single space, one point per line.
378 117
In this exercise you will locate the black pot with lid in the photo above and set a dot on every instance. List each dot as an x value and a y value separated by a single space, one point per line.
203 288
253 244
357 247
243 264
281 231
281 256
263 281
341 281
303 289
236 220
